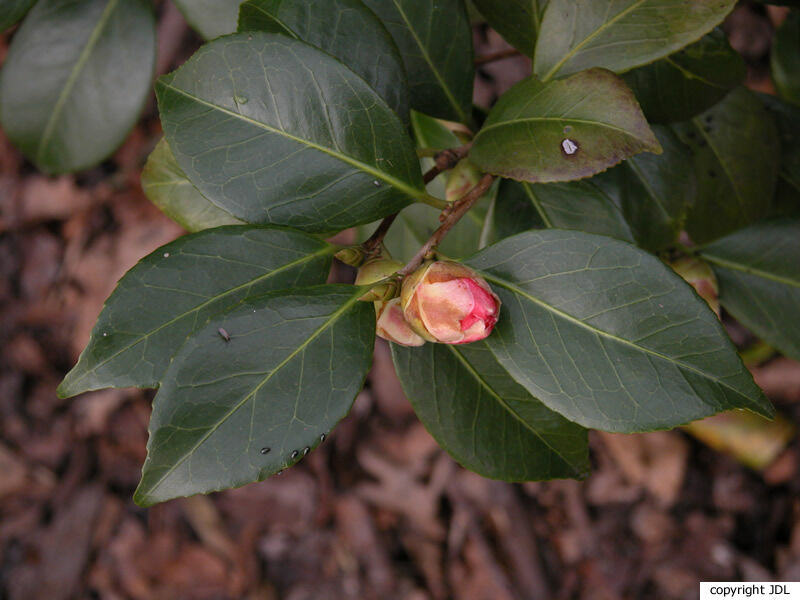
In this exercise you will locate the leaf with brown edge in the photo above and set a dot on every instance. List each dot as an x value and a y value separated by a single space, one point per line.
563 130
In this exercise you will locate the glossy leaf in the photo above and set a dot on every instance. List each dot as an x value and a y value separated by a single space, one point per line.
579 205
686 83
785 58
758 269
619 35
210 18
608 336
736 159
485 420
171 293
562 130
288 135
518 21
75 78
787 118
167 186
345 29
13 11
435 40
235 411
653 191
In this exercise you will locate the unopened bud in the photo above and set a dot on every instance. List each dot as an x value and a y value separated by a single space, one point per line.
352 255
446 302
461 180
376 270
700 276
391 324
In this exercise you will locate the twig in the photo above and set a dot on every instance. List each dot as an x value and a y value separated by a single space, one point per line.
500 55
460 208
375 240
446 160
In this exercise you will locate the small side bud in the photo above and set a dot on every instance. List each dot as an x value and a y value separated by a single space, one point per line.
447 302
461 180
377 270
392 326
700 276
352 255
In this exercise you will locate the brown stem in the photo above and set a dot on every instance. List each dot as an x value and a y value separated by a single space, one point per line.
446 160
375 240
460 208
500 55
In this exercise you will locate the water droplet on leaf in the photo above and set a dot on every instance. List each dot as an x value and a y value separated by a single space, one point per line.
166 254
569 147
376 183
294 454
306 450
265 450
224 334
240 99
322 437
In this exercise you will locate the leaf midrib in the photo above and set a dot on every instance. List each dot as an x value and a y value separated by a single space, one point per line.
326 325
415 193
735 266
306 258
517 120
567 317
72 79
510 410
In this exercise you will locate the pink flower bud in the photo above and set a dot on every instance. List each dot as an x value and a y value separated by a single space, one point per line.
700 276
392 324
447 302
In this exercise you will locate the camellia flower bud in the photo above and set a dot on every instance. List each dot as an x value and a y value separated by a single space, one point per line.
461 180
446 302
352 255
375 270
700 276
393 326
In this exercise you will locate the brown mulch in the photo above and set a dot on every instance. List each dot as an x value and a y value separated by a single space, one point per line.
378 511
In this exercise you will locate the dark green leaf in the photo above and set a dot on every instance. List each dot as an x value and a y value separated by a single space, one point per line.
210 18
684 84
562 130
431 133
288 135
435 40
785 58
786 202
486 421
758 269
736 159
608 336
345 29
653 191
167 186
579 34
75 79
518 21
13 11
173 291
580 205
514 211
787 118
235 411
